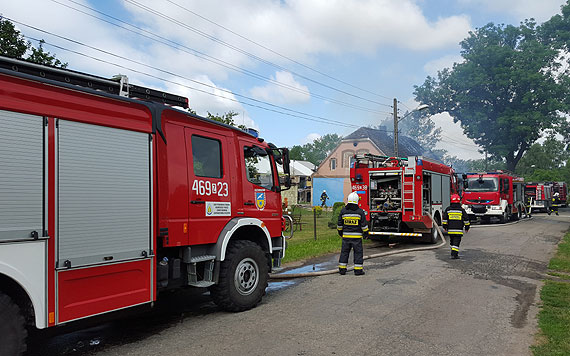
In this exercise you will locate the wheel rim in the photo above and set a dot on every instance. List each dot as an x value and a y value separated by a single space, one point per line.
246 277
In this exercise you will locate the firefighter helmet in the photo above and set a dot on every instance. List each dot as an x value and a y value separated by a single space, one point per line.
455 198
353 198
556 195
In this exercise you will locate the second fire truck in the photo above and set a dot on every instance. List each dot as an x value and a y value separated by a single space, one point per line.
402 195
493 195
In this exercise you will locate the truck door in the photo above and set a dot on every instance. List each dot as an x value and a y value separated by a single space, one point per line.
261 198
209 176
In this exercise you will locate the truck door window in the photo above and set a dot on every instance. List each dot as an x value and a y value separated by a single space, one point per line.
207 157
258 167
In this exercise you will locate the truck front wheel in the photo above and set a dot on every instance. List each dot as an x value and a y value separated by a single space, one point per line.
12 328
243 277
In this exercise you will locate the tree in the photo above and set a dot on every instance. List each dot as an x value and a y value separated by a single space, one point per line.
13 44
227 118
505 94
316 151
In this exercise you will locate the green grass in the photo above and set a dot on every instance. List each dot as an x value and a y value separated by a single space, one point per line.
303 244
561 262
554 316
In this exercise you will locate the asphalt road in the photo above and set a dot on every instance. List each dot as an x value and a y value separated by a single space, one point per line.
421 303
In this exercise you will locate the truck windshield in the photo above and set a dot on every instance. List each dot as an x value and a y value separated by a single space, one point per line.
482 184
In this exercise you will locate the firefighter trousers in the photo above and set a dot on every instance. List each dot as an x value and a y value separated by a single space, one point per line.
455 241
356 245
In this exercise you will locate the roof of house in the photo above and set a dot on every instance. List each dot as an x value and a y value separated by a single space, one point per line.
301 168
406 145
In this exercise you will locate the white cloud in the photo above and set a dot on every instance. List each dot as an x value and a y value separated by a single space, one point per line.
203 103
280 94
453 140
311 137
521 9
432 67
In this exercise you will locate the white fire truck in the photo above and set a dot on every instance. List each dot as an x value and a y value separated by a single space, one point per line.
402 195
110 195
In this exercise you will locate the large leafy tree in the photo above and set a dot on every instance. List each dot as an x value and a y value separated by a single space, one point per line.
505 93
551 155
316 151
13 44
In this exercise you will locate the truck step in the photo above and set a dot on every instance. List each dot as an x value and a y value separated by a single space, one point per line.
201 284
202 258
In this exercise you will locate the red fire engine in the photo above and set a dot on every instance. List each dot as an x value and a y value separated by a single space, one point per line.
538 197
109 195
493 194
399 195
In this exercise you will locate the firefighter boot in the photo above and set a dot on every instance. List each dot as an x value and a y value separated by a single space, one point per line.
359 272
455 254
342 271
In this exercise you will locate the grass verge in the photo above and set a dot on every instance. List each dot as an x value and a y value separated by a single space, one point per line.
554 316
303 244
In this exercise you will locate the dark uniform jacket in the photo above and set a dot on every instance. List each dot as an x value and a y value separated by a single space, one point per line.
454 219
352 222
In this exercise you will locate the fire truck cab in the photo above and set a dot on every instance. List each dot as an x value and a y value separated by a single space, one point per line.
109 195
494 194
402 195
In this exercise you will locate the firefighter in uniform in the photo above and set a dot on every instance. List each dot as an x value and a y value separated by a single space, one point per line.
352 226
324 198
555 202
454 220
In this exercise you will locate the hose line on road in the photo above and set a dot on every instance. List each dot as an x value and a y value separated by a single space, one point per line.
376 255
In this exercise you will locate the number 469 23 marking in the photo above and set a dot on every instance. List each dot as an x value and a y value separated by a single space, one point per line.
205 187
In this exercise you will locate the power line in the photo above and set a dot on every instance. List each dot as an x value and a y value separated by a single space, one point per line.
204 56
306 117
275 52
239 50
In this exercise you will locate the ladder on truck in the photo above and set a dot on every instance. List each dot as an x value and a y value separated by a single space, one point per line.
118 85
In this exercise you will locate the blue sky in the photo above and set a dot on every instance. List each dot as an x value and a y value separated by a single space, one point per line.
370 51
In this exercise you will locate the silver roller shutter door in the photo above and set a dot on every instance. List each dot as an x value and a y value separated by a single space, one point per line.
104 194
21 175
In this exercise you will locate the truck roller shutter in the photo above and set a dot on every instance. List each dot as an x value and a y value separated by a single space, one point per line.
104 194
21 176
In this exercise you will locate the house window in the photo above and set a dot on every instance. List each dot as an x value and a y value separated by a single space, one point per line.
333 164
346 158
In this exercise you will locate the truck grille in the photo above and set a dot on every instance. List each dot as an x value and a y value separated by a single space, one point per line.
479 209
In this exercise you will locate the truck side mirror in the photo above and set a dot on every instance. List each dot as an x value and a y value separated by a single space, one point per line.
282 157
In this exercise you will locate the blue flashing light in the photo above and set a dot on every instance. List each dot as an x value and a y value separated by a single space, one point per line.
420 162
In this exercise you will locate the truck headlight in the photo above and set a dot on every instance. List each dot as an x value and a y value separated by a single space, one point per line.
496 207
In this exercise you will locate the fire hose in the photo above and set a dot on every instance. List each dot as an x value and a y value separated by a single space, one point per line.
376 255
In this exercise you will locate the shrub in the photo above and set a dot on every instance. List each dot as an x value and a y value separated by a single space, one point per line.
337 207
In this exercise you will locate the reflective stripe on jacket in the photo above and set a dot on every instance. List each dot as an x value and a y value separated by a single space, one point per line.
352 222
454 219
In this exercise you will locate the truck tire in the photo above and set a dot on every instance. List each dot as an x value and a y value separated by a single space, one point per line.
243 277
13 331
432 236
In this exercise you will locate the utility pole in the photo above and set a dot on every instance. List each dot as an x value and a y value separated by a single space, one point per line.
395 127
